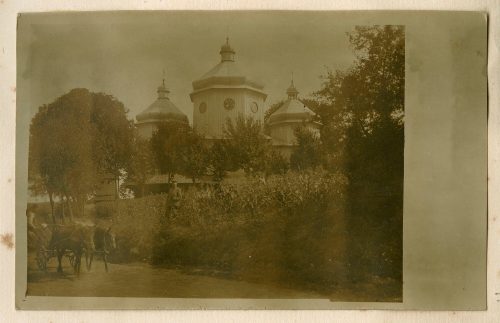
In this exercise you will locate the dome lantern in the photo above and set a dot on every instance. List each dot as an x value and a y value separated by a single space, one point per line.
162 91
283 122
292 91
161 110
226 52
292 110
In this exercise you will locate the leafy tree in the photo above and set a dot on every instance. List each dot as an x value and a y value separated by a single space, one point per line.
60 150
307 153
362 111
219 160
72 146
192 156
166 143
141 167
112 146
246 143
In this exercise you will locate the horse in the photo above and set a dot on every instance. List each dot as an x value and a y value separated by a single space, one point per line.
104 241
75 238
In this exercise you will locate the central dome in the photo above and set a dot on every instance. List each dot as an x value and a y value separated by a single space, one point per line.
224 93
226 74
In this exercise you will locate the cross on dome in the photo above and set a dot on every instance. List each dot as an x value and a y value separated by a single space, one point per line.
292 91
226 52
162 89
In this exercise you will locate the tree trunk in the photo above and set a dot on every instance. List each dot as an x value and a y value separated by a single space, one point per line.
83 206
70 209
52 208
117 196
62 210
117 188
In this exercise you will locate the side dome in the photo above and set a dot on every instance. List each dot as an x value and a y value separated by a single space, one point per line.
292 110
162 109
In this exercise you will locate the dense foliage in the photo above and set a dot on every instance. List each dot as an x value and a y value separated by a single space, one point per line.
362 111
74 141
246 144
288 228
178 149
307 153
142 165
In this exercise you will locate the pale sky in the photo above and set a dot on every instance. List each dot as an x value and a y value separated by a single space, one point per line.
123 54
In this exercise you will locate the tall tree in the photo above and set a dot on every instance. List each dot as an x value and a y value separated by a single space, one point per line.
65 156
307 153
219 160
112 144
141 167
362 113
166 143
192 156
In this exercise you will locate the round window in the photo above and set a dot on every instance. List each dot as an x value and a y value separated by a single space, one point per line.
228 104
202 107
254 107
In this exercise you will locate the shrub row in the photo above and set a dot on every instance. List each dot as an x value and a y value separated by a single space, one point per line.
288 228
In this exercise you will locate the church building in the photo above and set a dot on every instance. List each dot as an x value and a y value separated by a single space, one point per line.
225 92
290 115
161 110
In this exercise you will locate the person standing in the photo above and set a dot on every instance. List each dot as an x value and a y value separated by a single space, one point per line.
175 196
33 239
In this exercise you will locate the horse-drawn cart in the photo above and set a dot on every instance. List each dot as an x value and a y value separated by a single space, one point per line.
72 242
45 253
58 241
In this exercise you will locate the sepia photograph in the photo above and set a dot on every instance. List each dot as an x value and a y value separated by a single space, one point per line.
251 160
216 155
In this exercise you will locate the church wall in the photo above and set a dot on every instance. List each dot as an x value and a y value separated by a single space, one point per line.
260 100
211 122
201 120
283 133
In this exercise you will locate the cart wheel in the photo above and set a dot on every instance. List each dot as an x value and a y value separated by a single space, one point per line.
41 260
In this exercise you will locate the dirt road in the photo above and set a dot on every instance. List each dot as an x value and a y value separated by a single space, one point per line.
143 280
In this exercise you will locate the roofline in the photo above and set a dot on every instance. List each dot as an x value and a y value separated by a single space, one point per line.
294 119
160 120
226 80
225 87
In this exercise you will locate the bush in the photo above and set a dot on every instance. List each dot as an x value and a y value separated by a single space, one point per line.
288 228
135 224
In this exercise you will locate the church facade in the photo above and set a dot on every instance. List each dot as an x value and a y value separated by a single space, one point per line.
223 93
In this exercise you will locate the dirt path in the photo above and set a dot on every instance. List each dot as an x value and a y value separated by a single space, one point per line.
142 280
